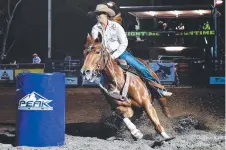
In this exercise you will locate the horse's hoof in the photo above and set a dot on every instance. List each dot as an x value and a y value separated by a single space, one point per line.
164 135
137 134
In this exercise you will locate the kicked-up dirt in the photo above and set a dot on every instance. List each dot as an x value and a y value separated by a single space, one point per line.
198 121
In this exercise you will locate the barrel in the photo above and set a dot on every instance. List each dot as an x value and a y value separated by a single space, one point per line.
40 109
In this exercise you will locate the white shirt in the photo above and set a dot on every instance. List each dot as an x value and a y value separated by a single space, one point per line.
113 38
180 28
36 60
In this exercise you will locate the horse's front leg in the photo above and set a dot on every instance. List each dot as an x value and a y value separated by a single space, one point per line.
127 112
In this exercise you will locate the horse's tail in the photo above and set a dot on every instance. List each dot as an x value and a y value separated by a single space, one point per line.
149 68
117 18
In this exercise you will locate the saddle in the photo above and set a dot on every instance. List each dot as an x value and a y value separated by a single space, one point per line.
127 68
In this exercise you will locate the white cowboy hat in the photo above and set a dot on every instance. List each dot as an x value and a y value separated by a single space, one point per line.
103 8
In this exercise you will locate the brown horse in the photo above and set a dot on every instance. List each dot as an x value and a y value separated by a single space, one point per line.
97 59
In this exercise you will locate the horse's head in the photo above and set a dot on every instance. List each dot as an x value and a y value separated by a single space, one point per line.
95 58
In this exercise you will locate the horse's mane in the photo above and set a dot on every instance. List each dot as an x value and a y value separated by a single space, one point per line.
117 18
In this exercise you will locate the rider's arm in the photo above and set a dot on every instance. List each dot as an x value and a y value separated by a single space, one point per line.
123 42
94 32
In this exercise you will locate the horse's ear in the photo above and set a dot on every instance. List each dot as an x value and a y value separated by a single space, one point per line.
99 38
89 38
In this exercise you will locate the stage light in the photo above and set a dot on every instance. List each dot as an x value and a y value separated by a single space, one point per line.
218 2
152 13
199 12
174 49
176 13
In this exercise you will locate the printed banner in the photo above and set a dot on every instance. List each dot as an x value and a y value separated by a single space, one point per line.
34 101
6 75
165 71
28 70
95 83
217 80
71 80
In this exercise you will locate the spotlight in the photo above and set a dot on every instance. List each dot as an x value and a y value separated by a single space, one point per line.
218 2
176 13
199 12
174 49
152 13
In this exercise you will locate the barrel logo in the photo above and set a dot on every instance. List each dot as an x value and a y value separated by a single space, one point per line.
34 101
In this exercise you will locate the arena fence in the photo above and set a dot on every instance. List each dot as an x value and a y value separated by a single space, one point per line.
181 73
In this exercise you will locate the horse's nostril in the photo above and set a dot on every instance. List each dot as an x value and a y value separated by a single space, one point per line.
87 72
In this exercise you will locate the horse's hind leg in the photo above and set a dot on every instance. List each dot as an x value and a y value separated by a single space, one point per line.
127 112
165 109
151 112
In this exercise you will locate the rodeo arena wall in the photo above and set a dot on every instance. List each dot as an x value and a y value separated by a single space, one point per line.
74 114
183 74
71 69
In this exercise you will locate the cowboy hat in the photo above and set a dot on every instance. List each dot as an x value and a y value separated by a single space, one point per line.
103 8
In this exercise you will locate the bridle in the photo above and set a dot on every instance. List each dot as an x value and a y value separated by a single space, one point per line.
98 69
103 56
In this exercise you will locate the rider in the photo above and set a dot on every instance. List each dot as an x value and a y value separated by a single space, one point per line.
115 40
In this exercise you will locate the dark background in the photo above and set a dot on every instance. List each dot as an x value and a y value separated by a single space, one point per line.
70 25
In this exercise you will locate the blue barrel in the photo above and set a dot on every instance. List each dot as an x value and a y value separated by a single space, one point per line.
41 109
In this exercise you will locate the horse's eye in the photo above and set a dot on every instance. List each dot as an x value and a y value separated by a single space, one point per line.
97 52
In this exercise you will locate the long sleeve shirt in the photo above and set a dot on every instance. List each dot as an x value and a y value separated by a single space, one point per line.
113 38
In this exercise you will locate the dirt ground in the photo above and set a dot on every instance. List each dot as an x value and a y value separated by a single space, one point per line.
198 121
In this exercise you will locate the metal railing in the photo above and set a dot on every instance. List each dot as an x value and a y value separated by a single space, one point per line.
187 72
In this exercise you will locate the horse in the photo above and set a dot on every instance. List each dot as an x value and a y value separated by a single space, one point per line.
97 60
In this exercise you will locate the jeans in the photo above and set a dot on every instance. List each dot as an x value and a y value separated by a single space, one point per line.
140 67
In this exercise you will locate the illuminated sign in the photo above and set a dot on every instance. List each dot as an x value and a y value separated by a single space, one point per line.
176 33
